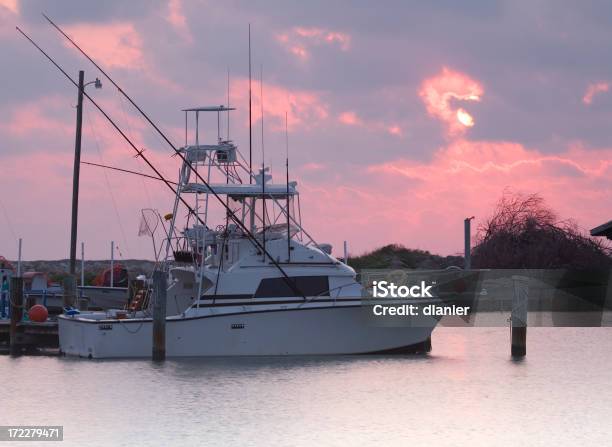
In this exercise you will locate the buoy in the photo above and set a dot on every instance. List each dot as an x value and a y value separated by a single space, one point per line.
38 313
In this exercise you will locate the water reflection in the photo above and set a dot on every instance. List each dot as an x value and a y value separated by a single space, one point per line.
460 394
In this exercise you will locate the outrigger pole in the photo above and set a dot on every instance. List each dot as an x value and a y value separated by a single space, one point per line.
263 164
250 116
287 166
246 231
127 171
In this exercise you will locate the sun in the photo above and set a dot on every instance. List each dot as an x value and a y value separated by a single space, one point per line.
465 118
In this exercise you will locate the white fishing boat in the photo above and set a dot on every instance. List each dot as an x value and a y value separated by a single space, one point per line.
255 284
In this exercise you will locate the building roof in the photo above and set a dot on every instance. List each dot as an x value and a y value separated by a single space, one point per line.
603 230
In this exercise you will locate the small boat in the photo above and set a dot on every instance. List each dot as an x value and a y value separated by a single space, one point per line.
100 297
255 284
107 291
38 289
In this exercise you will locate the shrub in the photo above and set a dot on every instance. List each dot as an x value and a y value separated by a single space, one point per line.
524 233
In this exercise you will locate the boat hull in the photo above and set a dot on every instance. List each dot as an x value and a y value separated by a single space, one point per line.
298 331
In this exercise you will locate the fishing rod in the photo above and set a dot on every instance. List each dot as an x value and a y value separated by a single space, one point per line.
139 153
263 163
235 219
127 171
250 116
287 172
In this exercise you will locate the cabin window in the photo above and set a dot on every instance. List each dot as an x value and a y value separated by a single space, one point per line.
307 285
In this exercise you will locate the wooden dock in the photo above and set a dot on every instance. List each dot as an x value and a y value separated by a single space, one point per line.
31 336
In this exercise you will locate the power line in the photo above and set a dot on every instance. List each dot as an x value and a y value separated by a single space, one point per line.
110 191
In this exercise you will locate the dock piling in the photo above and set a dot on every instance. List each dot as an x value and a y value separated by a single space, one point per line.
159 316
16 313
112 268
467 230
519 316
19 258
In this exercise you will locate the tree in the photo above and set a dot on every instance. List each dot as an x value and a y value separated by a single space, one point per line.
524 233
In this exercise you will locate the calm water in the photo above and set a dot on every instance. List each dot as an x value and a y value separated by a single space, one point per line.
467 392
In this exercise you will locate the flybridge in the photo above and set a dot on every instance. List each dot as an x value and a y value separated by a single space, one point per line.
224 152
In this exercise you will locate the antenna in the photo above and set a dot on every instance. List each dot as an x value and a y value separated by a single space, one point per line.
228 102
250 116
263 162
287 170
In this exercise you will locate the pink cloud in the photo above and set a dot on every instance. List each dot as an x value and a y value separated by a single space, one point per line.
594 89
304 108
9 12
422 204
40 116
312 166
319 35
299 51
115 45
299 40
342 39
11 6
395 130
350 118
176 17
441 91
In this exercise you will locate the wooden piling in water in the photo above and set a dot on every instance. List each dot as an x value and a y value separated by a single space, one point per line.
16 314
519 316
427 345
159 316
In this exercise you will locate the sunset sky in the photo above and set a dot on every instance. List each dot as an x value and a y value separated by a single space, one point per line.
404 117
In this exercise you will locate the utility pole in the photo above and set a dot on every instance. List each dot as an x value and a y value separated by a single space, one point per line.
70 280
76 172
